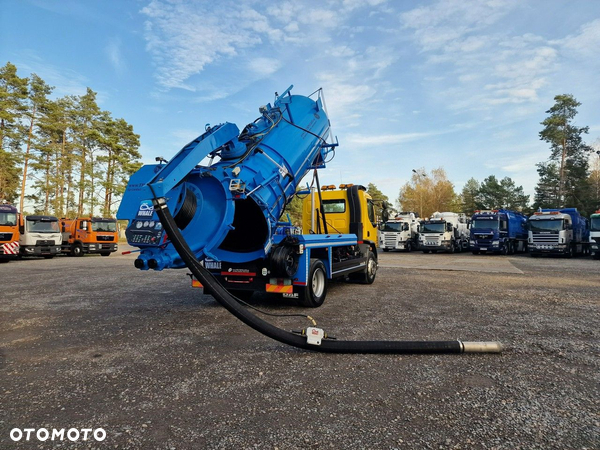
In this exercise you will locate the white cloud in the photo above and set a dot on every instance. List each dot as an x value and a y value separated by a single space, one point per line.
586 43
115 57
264 67
382 140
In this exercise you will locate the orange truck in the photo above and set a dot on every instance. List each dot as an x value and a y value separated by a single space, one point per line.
9 232
89 235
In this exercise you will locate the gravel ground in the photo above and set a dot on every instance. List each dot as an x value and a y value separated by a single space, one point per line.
92 342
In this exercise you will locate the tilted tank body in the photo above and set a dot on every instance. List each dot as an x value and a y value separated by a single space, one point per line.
228 209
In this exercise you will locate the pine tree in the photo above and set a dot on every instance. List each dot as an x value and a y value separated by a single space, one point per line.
120 159
13 93
379 198
568 152
37 102
469 196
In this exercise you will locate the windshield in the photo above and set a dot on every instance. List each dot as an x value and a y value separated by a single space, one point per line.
485 223
546 225
8 219
42 226
433 227
595 224
104 226
392 226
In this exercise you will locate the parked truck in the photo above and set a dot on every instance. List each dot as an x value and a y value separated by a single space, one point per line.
444 231
558 232
400 233
40 236
498 231
595 235
9 232
229 210
87 235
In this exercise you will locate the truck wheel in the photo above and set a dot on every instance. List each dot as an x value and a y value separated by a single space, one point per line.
313 295
77 250
425 251
368 275
386 249
408 247
475 252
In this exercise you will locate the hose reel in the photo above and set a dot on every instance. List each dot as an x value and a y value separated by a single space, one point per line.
284 261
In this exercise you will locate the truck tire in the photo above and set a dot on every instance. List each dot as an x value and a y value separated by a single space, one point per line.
511 248
76 250
368 275
386 249
408 247
475 252
313 295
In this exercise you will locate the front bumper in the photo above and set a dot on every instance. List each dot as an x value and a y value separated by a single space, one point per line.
37 250
100 248
558 249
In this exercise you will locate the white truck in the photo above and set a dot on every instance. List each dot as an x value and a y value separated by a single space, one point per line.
40 236
444 231
400 233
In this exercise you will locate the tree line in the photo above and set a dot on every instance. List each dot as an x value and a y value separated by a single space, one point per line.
66 156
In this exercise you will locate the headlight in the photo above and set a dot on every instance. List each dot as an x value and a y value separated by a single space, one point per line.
472 242
495 243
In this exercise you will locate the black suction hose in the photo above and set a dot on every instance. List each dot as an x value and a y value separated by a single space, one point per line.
230 303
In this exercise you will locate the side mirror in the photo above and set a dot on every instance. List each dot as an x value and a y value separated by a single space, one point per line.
405 227
84 225
448 227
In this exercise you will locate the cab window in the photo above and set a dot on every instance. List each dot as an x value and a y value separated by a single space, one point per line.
334 206
371 210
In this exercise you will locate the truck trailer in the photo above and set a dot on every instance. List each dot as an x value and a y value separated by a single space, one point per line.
9 232
498 231
444 231
88 235
228 211
595 235
400 233
558 232
40 236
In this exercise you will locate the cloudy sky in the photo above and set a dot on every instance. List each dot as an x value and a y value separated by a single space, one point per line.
461 85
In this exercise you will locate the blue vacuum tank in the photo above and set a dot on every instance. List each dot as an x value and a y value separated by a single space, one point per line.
228 209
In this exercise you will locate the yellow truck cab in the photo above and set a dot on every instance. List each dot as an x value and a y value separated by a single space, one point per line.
347 210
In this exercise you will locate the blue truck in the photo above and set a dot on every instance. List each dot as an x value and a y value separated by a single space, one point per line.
558 232
498 231
229 210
